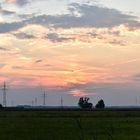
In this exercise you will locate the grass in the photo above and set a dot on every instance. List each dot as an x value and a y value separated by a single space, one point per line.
69 125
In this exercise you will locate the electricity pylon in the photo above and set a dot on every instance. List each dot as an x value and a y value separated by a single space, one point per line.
4 94
44 98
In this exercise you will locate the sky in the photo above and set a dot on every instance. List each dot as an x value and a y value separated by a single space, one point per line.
69 49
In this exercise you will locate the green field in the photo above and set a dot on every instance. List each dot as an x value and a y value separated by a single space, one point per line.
69 125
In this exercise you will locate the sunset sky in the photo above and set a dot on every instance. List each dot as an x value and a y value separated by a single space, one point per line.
70 48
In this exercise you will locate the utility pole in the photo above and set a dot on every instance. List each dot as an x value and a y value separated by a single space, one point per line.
12 103
4 94
136 101
35 101
62 102
44 98
32 103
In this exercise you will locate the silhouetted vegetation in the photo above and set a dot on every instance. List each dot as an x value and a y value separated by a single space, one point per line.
1 106
100 104
83 103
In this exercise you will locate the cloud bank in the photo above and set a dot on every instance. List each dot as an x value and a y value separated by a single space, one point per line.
88 16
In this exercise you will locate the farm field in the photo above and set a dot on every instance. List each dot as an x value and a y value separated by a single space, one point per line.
70 125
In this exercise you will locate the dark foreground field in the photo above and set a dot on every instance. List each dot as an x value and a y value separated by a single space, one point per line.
70 125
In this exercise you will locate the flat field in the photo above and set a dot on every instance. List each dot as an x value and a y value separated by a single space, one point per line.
70 125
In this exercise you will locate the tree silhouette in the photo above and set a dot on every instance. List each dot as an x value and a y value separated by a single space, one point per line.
100 104
83 103
1 106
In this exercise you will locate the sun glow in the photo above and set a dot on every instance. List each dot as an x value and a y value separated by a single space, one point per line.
78 93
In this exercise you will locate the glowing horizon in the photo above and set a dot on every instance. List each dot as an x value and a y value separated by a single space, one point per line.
66 49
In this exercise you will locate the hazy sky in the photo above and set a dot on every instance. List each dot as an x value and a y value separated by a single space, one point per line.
70 48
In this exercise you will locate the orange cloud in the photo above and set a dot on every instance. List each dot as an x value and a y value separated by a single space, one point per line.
91 57
78 93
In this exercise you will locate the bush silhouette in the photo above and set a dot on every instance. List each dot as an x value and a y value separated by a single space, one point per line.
83 103
100 104
1 106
